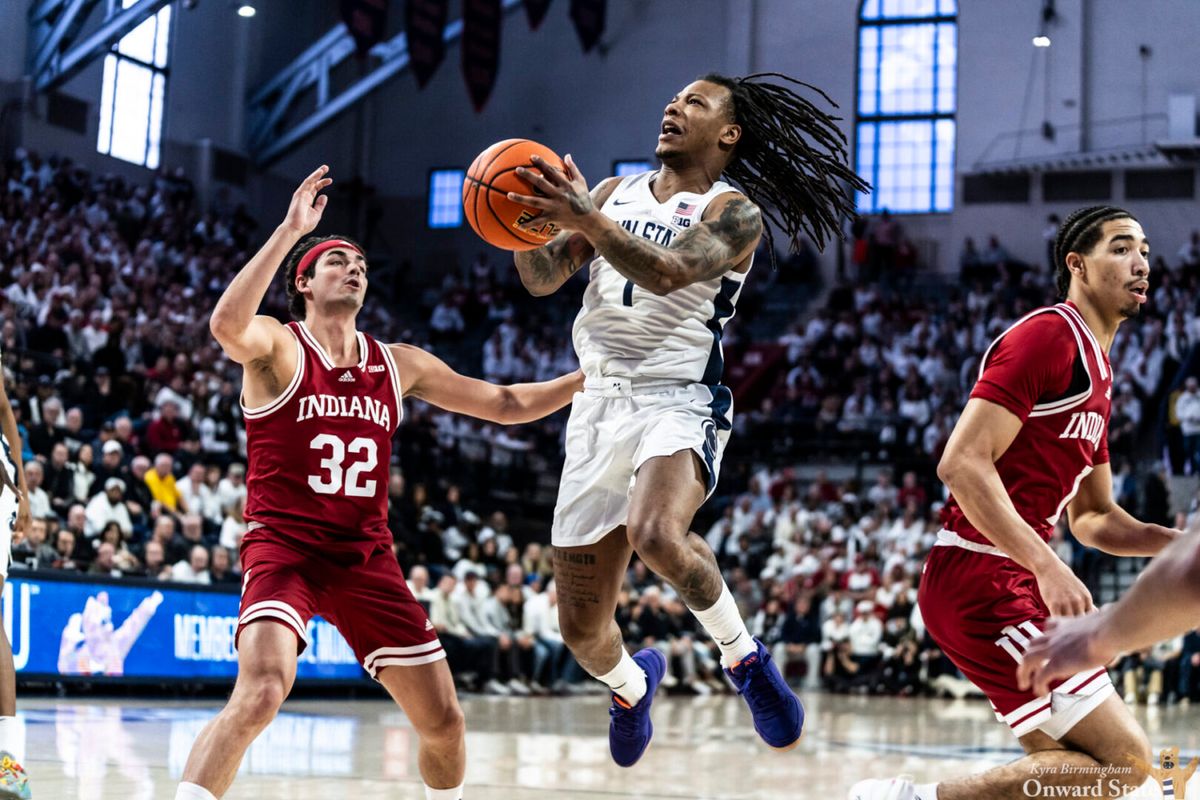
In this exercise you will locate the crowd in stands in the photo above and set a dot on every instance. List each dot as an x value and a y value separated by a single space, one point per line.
134 447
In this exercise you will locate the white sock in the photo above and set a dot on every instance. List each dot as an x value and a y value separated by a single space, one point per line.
724 624
191 791
626 679
12 738
925 791
444 794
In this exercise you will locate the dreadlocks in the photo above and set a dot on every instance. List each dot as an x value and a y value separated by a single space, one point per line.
1079 233
791 158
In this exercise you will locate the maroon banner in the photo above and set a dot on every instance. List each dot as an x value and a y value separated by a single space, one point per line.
480 48
536 11
588 16
424 25
366 20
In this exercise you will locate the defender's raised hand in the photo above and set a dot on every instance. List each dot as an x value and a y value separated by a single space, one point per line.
307 206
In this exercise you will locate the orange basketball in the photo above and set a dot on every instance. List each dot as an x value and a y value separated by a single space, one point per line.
485 195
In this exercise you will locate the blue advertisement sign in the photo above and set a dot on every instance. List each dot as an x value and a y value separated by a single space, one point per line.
143 630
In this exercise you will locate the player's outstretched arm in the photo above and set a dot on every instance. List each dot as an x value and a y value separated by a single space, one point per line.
968 468
427 377
235 324
1162 603
730 231
547 268
1097 521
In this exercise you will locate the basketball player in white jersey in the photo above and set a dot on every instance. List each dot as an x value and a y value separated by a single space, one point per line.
14 516
670 251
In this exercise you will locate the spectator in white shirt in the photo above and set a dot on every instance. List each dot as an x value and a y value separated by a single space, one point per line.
233 527
108 506
199 497
1187 409
834 631
866 635
39 501
195 569
232 488
549 652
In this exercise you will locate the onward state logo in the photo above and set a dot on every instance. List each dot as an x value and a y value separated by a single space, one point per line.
1084 425
1112 780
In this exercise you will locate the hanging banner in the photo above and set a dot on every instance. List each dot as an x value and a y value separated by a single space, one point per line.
536 10
588 16
480 48
366 20
424 26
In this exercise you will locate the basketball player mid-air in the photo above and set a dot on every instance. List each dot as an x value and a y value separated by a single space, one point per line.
670 250
321 402
14 516
1031 443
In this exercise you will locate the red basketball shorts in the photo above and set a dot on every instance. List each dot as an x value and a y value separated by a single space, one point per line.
368 601
982 609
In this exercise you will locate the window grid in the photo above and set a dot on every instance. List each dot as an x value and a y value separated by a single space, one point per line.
905 128
133 92
445 198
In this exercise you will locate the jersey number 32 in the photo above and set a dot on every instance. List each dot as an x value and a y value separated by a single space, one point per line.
336 476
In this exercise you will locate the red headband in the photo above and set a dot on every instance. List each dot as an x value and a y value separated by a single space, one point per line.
312 255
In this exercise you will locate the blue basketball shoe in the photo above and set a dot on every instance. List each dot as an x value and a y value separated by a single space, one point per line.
778 715
629 727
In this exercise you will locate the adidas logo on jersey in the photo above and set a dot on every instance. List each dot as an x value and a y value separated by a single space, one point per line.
347 377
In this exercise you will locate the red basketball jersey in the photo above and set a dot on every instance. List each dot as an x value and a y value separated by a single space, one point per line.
319 453
1050 371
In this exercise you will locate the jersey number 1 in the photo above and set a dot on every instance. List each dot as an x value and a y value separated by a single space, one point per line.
348 481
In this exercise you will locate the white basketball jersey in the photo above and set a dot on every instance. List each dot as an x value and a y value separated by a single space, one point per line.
624 330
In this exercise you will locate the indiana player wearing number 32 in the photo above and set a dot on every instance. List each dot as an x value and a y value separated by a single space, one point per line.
321 402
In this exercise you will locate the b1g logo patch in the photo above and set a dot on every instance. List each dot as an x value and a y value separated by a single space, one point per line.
548 230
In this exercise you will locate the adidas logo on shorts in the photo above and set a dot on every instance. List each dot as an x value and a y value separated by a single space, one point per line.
428 625
347 377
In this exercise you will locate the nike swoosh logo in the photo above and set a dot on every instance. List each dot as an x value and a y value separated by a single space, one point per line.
622 202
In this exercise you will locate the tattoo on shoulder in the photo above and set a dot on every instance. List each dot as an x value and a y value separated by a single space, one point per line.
740 224
718 244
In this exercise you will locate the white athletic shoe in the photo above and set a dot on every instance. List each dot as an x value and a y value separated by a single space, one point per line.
887 789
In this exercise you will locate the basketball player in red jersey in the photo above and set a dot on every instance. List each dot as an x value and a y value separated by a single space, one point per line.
1031 444
321 402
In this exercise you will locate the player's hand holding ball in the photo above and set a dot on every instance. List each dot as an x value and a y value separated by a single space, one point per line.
562 194
307 206
509 190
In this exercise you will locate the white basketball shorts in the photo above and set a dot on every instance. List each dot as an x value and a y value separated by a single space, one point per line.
616 426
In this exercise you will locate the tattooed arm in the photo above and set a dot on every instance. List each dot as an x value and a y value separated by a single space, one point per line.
728 235
547 268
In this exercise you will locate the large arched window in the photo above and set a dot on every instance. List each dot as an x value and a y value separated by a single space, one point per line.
907 64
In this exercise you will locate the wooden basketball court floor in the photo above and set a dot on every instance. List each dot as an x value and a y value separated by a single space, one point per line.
531 748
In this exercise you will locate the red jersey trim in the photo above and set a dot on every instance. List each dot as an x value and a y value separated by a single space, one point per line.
321 354
987 390
394 374
1058 406
1101 358
278 402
